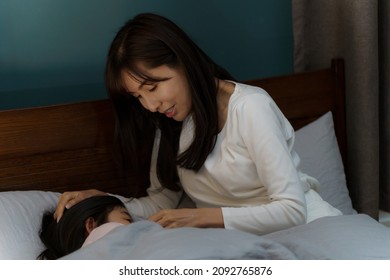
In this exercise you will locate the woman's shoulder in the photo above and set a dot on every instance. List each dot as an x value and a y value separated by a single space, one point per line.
251 104
247 96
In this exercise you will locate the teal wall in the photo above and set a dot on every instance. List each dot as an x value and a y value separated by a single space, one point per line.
53 51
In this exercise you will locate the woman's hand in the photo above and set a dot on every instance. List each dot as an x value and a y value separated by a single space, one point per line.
68 199
199 217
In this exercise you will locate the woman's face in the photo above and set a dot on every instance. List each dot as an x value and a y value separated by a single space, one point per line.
169 96
119 215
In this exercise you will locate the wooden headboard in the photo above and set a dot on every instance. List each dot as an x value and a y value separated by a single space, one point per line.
70 147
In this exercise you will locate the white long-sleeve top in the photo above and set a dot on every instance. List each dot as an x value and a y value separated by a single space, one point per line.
252 173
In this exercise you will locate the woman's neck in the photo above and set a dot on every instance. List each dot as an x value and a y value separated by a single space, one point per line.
225 90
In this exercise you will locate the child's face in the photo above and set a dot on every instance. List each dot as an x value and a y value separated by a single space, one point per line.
119 215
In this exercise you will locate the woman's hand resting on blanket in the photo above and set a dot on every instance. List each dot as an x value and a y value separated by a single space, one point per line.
200 217
68 199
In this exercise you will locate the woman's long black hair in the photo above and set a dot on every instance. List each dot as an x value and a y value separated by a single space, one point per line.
155 41
69 233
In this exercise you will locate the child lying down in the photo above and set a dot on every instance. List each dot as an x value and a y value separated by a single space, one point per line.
133 238
81 225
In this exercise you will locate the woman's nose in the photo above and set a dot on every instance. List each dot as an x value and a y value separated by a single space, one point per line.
150 103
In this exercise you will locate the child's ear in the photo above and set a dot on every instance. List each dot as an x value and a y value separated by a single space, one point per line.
90 224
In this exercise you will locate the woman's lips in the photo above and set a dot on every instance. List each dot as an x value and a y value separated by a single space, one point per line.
170 112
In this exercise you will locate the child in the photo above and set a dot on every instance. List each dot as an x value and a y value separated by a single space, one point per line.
81 225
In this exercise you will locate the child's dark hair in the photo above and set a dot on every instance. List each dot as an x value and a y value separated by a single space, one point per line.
69 233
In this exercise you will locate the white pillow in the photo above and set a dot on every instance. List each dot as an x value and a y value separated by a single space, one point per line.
316 145
21 217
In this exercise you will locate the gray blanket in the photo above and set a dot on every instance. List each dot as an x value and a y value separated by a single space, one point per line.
348 237
342 237
145 240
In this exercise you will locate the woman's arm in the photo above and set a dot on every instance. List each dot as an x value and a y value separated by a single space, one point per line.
156 200
199 217
269 139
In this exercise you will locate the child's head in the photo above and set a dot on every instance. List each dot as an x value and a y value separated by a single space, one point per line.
73 228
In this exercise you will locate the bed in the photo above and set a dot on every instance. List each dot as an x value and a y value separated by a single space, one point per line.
48 150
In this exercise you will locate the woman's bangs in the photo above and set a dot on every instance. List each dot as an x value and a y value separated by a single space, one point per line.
141 77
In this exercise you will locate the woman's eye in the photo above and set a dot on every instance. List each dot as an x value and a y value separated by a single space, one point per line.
153 88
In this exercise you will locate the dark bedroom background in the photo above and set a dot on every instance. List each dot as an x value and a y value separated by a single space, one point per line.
53 51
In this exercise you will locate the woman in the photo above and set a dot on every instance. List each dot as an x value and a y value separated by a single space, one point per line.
226 144
81 225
